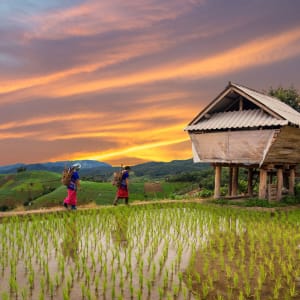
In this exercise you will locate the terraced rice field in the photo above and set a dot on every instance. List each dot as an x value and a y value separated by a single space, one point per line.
160 251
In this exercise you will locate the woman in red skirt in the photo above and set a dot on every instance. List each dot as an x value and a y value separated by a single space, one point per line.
73 186
122 191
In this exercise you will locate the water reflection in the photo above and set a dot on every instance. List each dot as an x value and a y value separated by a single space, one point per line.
119 232
70 240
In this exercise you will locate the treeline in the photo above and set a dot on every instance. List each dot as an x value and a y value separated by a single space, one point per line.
178 170
167 169
204 178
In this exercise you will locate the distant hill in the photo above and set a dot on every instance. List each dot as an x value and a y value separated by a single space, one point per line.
93 168
55 166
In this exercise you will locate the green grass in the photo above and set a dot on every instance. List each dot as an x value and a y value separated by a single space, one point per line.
103 193
35 180
255 202
21 188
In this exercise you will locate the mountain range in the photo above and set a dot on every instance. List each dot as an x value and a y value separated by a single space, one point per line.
53 166
92 167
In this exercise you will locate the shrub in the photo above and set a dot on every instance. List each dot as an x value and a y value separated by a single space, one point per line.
253 202
243 185
258 202
297 189
224 191
291 200
8 204
205 193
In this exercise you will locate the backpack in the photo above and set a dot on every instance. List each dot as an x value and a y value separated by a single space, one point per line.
117 179
67 175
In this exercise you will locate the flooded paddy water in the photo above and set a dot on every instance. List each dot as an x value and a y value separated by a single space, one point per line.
162 251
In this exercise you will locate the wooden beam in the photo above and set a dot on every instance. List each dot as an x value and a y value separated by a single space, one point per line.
250 182
279 183
292 182
241 103
230 182
218 170
235 180
262 184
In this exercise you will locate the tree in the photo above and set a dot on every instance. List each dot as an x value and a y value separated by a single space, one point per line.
289 96
21 169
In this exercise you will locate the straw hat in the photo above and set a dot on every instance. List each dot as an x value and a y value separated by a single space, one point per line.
76 166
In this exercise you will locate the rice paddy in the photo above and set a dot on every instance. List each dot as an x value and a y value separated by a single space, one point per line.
161 251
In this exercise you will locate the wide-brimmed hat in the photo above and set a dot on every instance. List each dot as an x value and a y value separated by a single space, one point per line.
76 166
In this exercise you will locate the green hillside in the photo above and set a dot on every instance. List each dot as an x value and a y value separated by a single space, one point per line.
35 189
103 193
99 193
24 187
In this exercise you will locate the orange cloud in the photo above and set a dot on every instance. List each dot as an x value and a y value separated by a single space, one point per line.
130 124
258 52
15 135
140 46
50 119
262 51
150 151
95 17
167 97
140 134
158 144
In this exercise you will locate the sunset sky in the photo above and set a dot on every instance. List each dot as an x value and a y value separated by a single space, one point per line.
117 81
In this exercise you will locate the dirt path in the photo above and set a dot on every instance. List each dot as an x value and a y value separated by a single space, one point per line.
135 203
85 207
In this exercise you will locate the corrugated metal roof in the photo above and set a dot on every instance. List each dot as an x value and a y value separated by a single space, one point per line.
237 119
274 104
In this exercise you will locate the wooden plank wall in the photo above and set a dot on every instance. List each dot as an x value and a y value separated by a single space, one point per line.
285 148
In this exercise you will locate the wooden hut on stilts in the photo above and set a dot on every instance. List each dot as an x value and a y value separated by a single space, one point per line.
243 128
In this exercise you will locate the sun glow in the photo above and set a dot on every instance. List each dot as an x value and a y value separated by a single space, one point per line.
152 150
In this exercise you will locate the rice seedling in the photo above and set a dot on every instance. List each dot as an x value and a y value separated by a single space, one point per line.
292 290
159 251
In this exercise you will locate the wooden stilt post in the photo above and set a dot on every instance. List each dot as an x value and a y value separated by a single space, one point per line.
292 182
262 194
218 170
286 179
235 180
279 183
230 181
250 182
